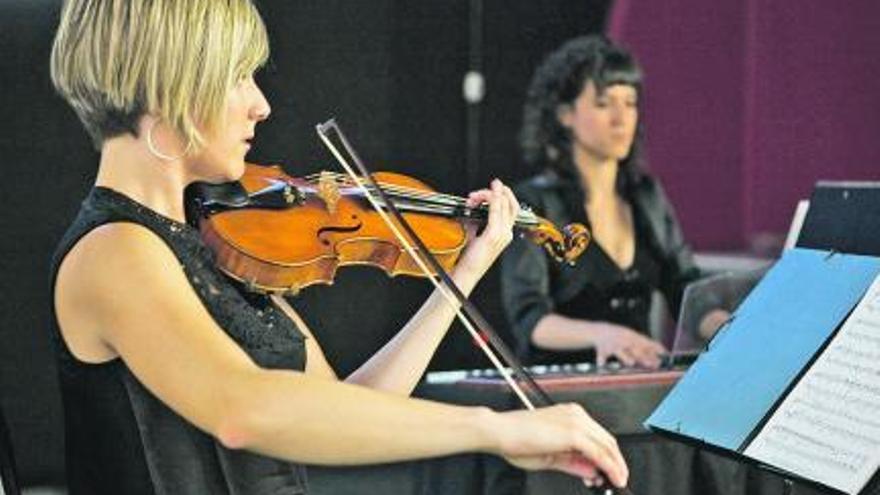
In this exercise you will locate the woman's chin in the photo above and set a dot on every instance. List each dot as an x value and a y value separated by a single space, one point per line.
233 172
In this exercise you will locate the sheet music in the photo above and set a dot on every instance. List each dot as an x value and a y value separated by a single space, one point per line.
828 428
777 331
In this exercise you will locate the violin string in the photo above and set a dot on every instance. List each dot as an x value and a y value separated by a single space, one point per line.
416 193
523 218
444 210
343 179
442 289
402 190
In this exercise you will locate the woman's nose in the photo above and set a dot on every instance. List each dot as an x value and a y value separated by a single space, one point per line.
619 113
261 109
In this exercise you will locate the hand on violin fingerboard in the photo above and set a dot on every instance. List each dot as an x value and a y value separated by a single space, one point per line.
484 249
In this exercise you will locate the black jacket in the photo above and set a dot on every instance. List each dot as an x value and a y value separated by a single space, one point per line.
532 284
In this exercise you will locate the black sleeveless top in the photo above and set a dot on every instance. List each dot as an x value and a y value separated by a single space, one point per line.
122 439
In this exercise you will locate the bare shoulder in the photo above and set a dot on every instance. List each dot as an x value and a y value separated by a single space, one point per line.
104 278
122 293
110 246
108 260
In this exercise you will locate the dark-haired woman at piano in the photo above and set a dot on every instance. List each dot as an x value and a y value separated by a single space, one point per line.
581 126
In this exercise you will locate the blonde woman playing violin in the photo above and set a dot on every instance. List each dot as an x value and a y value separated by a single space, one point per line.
174 380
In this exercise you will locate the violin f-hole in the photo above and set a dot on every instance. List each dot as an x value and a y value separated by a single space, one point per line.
326 231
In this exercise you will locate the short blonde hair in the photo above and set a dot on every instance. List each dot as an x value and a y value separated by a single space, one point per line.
117 60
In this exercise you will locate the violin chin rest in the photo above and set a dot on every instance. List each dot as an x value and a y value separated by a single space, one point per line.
228 194
202 199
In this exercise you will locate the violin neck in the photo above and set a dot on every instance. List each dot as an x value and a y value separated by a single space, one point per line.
410 200
456 207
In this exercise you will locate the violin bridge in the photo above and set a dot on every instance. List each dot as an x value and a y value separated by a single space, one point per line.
328 190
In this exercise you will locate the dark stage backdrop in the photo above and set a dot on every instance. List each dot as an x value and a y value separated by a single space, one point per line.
390 71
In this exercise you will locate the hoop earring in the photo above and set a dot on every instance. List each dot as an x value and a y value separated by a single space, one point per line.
158 154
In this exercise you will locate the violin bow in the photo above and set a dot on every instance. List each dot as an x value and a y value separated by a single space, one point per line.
466 312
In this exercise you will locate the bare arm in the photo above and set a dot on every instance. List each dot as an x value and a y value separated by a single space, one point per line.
173 346
557 332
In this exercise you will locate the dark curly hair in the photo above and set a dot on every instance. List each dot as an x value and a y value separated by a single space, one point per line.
559 80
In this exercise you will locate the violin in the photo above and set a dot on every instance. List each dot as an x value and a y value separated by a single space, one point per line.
277 233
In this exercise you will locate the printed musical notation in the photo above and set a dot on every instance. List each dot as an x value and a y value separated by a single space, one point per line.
776 333
828 428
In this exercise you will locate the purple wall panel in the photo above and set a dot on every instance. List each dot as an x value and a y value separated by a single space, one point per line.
749 103
814 102
693 108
